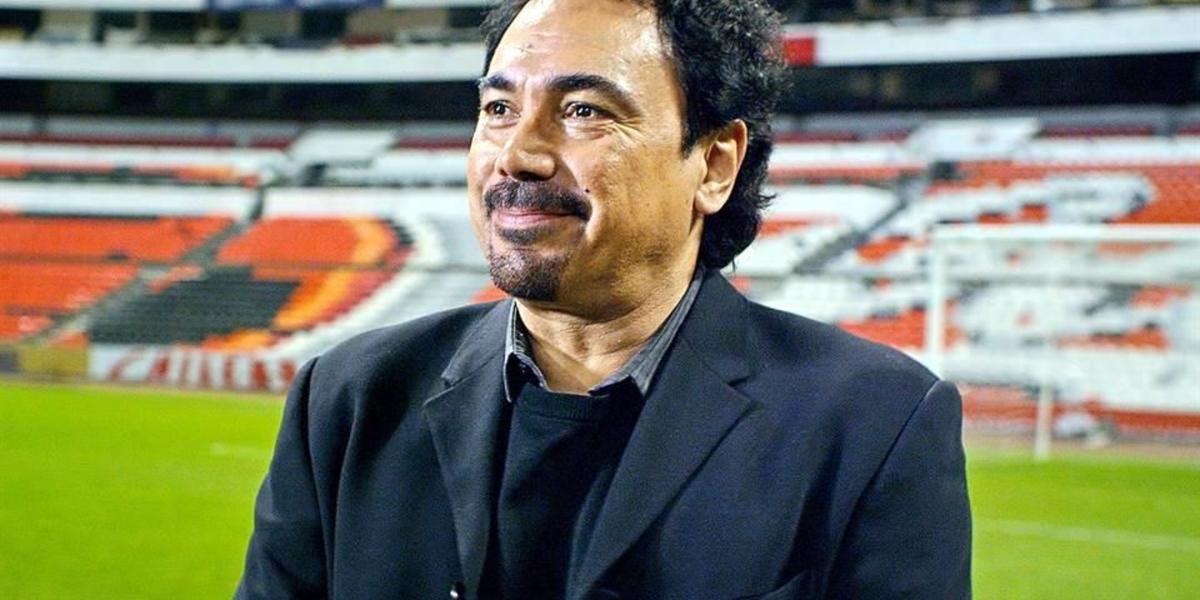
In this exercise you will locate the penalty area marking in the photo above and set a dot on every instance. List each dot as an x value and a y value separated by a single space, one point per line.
1094 535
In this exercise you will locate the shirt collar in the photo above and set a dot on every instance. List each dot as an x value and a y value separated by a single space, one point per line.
520 368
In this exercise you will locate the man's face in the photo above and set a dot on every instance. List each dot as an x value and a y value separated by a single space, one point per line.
577 185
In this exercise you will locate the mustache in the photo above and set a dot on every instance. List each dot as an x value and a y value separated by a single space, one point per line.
535 196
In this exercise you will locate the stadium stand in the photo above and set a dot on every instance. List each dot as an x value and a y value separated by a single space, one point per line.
14 327
33 293
238 166
334 222
150 239
53 266
878 161
405 166
806 225
324 295
219 303
65 248
323 263
280 276
355 242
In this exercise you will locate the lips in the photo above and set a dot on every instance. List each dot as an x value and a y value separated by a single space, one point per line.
520 219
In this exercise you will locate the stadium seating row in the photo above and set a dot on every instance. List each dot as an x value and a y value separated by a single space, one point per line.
33 293
315 265
17 326
247 167
357 242
57 265
388 157
164 239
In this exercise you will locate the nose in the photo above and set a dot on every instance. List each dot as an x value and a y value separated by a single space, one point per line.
528 153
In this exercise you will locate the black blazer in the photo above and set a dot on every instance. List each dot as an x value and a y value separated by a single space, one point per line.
776 457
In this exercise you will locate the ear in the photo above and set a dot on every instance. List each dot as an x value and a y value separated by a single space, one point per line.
724 152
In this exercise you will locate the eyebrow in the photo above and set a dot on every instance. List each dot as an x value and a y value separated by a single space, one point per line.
495 82
572 82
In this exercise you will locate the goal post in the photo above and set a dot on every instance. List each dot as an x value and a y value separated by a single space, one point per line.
1098 324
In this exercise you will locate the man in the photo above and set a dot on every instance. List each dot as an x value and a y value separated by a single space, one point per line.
629 426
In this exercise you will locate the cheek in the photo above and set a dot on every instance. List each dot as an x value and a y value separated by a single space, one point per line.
479 169
656 185
636 200
475 210
611 189
481 160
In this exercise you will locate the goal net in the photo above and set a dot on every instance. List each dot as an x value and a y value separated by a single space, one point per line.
1089 332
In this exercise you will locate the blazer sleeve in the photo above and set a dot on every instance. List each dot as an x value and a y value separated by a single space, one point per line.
286 557
910 534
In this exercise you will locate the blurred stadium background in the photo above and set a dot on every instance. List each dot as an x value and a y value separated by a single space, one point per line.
198 195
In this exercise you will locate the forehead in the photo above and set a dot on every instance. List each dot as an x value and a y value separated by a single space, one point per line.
616 39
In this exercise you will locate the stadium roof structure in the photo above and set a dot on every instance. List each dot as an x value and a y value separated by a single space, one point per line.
1152 30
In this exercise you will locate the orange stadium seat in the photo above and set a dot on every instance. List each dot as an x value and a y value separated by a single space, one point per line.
802 137
1146 338
879 250
16 326
905 330
863 174
303 271
360 242
1155 296
778 225
1178 200
245 339
1177 186
53 288
321 295
164 239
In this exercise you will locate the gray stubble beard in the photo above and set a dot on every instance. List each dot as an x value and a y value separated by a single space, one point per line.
525 275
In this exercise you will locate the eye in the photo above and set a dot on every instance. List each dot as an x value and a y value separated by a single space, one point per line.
579 110
497 109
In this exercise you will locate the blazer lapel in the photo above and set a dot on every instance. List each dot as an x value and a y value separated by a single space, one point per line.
464 421
688 411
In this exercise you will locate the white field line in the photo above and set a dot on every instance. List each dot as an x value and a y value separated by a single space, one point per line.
1093 535
237 451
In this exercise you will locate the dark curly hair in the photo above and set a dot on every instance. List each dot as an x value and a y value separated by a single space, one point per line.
727 56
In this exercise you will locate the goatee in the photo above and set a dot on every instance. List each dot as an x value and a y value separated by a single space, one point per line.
526 275
523 272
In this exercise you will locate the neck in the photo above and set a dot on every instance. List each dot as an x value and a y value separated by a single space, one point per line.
576 352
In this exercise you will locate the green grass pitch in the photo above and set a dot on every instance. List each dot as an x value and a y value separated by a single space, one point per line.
130 494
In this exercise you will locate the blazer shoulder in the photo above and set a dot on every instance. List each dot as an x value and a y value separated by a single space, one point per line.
847 395
823 356
808 339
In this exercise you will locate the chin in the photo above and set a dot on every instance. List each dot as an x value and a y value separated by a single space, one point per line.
526 275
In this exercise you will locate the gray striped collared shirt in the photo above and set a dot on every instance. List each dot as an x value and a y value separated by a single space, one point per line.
519 366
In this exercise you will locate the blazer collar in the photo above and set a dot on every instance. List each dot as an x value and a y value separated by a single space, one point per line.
689 409
464 422
716 328
688 412
483 342
715 324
